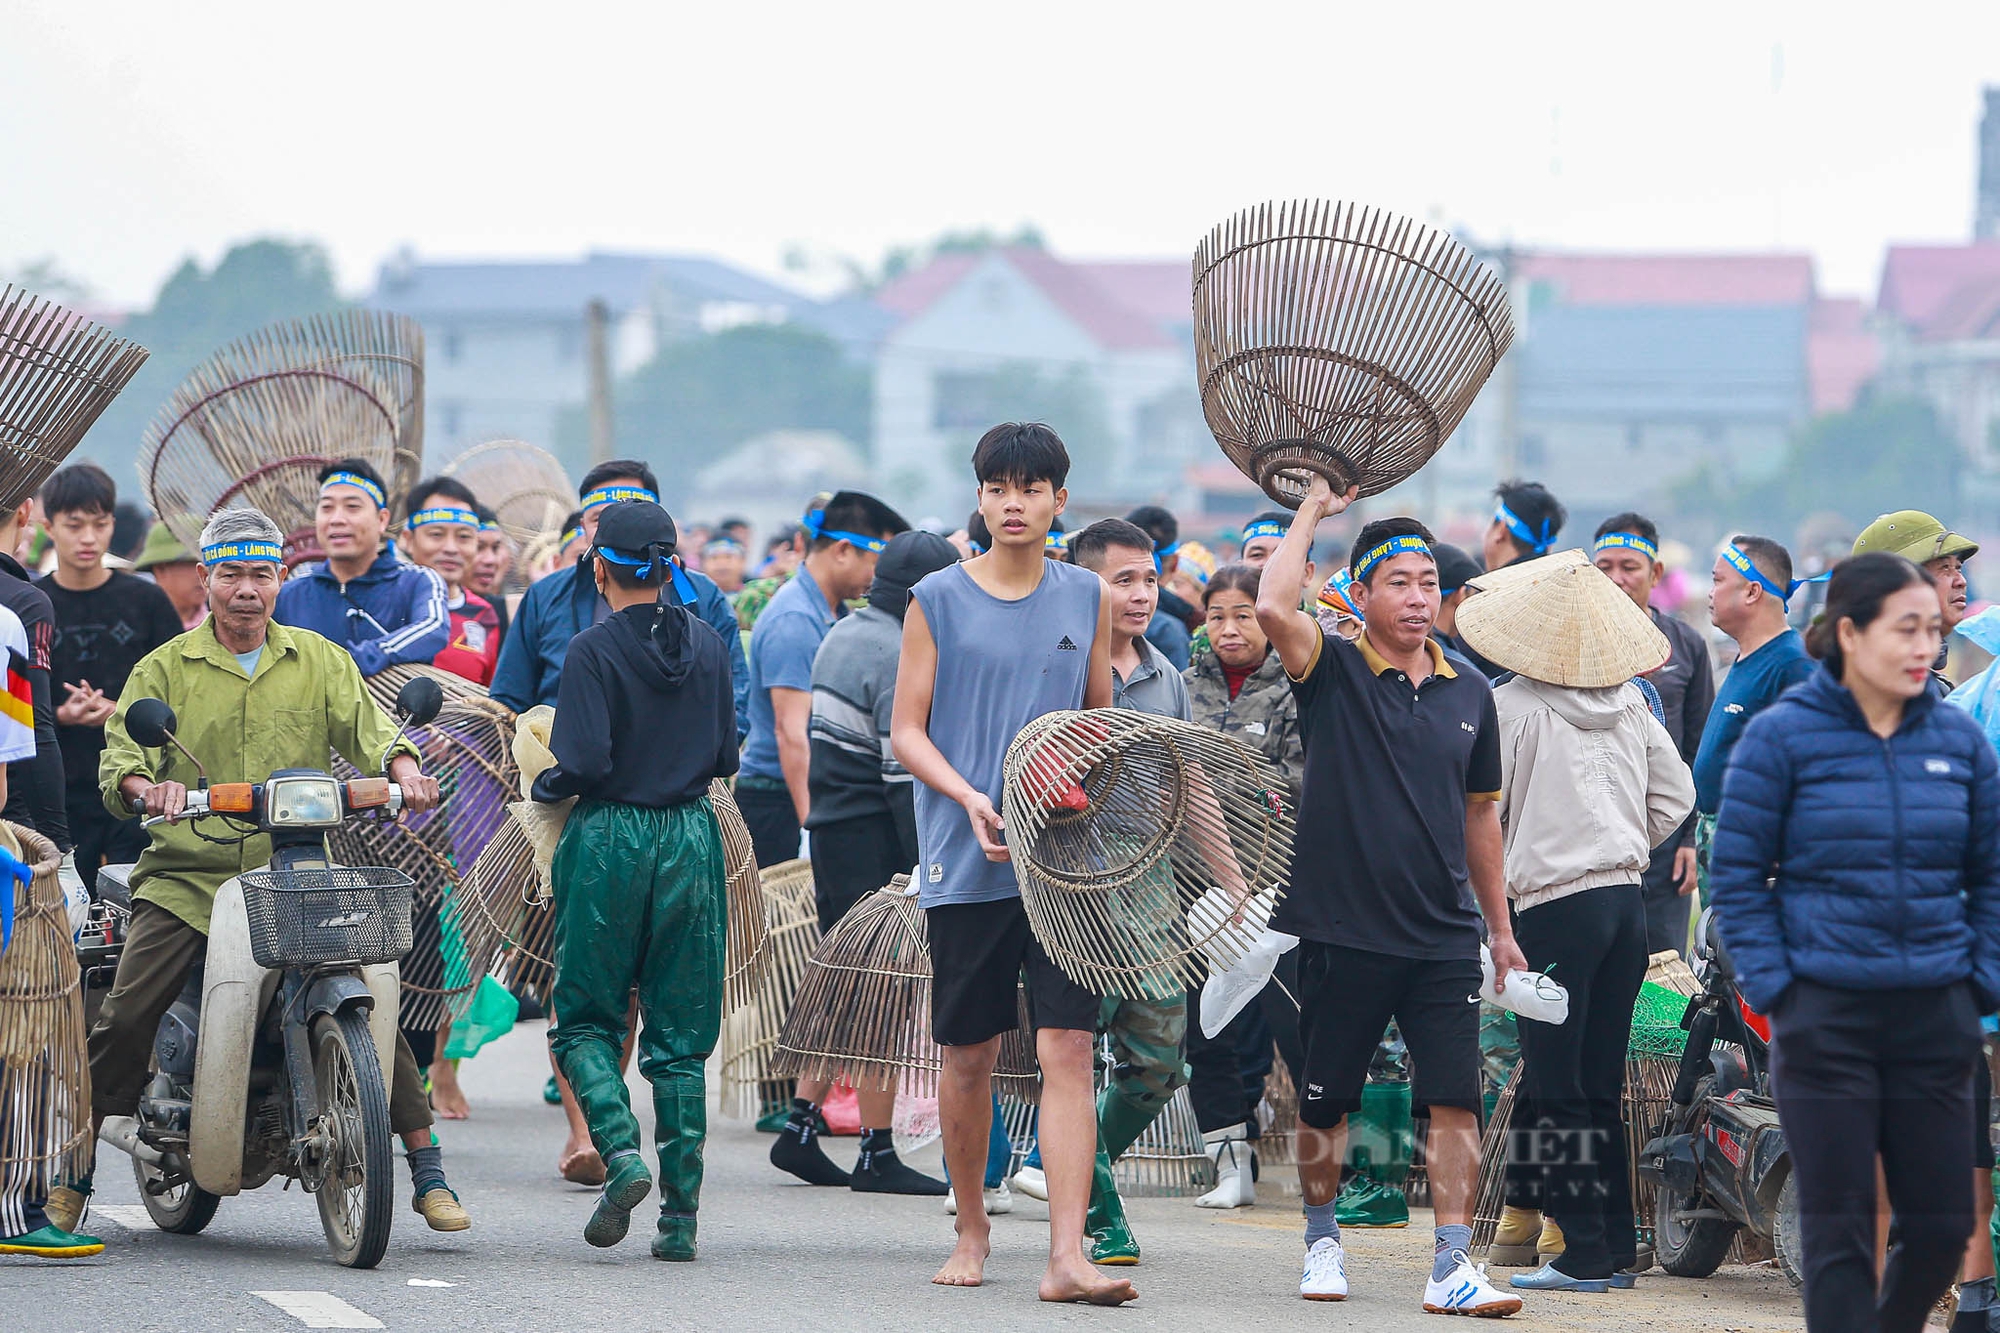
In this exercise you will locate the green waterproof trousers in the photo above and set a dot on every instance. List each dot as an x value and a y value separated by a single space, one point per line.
641 904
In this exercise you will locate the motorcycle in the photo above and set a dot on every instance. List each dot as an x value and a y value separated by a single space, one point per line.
1719 1163
275 1058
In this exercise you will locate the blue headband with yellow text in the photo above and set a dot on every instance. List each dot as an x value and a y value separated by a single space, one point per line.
1732 555
648 564
605 495
261 553
423 518
1263 527
1626 541
1524 534
569 535
359 483
1056 541
1408 544
488 525
815 523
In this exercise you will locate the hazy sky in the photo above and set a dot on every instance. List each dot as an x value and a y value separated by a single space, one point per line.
134 134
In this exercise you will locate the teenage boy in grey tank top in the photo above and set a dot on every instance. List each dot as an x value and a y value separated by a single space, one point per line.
988 646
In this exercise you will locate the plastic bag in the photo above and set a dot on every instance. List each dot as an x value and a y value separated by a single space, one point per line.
1229 991
1980 696
489 1017
1529 994
76 898
543 823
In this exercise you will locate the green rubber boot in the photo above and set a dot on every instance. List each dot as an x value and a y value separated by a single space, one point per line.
1111 1240
625 1187
592 1070
52 1242
681 1112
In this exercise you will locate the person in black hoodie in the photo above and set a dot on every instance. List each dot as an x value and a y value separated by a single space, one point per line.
645 719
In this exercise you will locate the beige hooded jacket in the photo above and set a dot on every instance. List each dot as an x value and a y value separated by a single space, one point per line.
1590 784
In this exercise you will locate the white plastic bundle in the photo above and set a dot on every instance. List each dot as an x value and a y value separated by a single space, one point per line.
1530 994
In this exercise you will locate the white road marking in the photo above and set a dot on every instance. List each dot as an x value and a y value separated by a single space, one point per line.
319 1309
430 1282
131 1216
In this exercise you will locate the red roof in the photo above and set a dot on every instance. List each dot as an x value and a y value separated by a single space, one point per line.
1775 279
1924 284
1842 355
1160 289
1076 289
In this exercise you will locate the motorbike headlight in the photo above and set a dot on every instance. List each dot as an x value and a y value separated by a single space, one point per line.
303 803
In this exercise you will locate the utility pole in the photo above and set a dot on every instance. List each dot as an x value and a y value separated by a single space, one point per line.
598 319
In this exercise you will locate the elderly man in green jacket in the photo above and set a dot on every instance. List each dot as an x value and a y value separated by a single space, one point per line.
251 697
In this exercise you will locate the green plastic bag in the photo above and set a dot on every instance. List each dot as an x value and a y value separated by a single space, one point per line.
490 1016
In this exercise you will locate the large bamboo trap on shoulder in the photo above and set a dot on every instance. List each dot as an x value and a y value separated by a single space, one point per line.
58 372
253 424
1123 825
1339 340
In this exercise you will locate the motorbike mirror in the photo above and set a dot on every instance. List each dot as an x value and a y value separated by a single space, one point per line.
151 723
420 701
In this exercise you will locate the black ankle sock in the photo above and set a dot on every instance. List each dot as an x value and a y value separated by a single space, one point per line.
876 1145
803 1115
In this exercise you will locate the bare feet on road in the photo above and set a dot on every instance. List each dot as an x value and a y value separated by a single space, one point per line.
1075 1279
967 1265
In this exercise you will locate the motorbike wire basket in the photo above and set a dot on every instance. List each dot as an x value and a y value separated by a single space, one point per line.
347 914
1339 340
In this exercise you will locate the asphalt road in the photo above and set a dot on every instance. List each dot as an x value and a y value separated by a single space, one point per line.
773 1253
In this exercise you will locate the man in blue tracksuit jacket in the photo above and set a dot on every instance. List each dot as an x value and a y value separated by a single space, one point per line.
563 605
368 599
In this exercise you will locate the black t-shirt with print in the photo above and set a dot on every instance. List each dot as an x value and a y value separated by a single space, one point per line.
1379 853
100 636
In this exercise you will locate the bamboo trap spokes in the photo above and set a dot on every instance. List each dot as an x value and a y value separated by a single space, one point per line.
1120 823
58 372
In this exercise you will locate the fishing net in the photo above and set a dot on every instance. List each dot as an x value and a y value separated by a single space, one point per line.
45 1137
1656 1024
58 372
1339 340
254 423
1121 824
468 750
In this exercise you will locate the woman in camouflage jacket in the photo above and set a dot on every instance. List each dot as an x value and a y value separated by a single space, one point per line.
1239 687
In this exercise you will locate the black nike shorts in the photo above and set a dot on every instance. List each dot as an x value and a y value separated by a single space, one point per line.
1346 999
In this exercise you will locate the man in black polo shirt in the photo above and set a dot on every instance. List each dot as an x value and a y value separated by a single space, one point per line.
1398 857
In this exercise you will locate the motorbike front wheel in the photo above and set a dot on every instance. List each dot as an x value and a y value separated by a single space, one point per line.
356 1191
1694 1247
183 1210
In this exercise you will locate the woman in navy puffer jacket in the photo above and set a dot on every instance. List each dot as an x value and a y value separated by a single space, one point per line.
1856 881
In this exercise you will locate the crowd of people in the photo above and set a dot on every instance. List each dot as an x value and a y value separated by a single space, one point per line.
1517 751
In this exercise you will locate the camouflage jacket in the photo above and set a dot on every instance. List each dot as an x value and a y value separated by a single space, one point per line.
1264 715
753 597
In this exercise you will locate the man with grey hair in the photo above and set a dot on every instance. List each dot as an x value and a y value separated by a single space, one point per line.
252 697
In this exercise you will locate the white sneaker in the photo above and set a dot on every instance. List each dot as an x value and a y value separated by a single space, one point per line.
1325 1277
1235 1170
1465 1290
1030 1180
998 1200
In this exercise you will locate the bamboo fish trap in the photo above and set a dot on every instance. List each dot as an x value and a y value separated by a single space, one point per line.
45 1137
525 487
749 911
468 750
750 1034
1342 340
58 372
254 423
1120 824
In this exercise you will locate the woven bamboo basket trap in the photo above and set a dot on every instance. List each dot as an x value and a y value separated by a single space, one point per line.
526 488
1339 340
45 1137
58 372
1121 825
750 1033
253 424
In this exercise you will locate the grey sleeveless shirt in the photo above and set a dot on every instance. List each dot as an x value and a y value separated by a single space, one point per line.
1000 665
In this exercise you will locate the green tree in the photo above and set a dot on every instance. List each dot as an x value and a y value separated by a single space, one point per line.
699 398
255 283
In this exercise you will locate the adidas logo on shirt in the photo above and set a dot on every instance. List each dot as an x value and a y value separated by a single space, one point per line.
1065 646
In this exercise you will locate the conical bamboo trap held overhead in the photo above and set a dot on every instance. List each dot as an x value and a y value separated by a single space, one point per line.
58 372
1342 340
1146 847
253 424
525 487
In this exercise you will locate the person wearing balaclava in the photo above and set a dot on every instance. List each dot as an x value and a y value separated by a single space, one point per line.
863 822
645 720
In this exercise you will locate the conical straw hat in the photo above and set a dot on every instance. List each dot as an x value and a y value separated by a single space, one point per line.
1560 620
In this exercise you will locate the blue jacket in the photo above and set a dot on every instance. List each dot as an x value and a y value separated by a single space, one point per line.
1854 861
393 613
564 605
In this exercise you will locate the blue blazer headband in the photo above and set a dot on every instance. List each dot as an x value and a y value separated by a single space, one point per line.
1524 534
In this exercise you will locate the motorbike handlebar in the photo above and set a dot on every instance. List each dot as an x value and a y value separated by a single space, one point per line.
198 806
